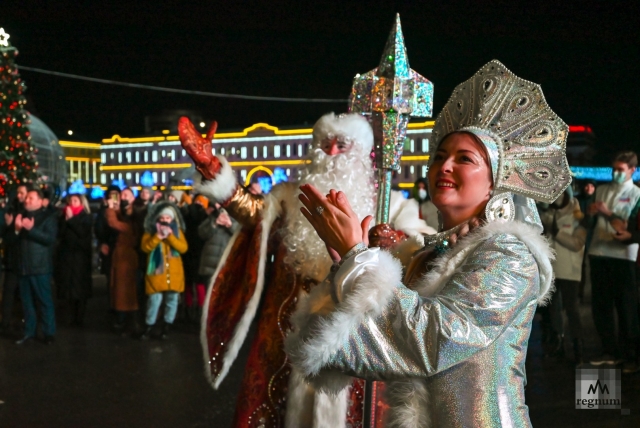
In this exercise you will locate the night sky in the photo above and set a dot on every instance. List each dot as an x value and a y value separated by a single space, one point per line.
584 54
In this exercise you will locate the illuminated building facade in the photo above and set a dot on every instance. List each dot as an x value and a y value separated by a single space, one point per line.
261 153
261 150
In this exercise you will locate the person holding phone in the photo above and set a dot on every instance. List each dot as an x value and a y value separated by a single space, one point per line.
124 260
164 241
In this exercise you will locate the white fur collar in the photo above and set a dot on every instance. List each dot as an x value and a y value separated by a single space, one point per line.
444 267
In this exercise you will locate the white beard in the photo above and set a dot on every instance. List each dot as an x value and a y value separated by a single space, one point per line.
350 172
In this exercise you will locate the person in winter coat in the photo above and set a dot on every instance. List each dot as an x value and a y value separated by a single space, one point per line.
35 236
567 237
215 231
74 257
428 211
164 241
124 260
194 215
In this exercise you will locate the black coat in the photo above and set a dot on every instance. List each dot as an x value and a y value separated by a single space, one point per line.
194 215
73 262
35 246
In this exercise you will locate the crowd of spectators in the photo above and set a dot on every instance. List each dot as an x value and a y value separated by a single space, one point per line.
155 247
152 248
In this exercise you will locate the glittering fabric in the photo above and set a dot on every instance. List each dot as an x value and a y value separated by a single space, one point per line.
467 343
245 206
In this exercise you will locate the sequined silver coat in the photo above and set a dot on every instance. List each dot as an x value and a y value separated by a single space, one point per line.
452 349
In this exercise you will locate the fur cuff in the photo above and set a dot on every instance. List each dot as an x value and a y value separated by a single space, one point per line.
223 186
311 347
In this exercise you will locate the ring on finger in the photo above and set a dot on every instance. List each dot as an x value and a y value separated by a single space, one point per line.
319 210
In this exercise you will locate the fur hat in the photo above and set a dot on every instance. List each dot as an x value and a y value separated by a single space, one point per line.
350 125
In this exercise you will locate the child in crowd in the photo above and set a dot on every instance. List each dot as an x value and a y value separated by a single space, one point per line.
164 241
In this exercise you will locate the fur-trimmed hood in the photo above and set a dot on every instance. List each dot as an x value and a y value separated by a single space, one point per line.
153 212
347 125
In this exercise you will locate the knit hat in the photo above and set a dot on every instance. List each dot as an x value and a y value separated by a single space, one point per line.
167 211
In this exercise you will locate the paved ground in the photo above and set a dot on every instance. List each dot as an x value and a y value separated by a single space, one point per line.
93 378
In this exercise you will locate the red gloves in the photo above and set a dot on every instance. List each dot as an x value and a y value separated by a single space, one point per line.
198 148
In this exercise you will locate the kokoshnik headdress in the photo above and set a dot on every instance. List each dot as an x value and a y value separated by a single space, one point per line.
525 139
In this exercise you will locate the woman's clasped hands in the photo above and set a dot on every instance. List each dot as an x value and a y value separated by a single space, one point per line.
334 220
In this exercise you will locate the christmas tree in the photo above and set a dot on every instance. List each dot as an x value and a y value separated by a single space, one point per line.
17 157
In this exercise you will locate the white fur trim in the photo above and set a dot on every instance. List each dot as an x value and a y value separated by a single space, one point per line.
330 410
205 306
404 215
349 125
372 291
408 400
221 188
444 267
271 211
299 401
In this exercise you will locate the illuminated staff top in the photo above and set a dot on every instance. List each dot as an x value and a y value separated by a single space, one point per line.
4 38
390 94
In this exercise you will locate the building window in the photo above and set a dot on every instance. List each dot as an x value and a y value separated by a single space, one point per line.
146 156
276 151
164 154
255 152
425 145
288 171
103 178
128 176
119 176
164 177
155 177
173 155
137 178
112 176
299 150
413 145
173 173
103 158
413 170
154 156
222 151
288 151
243 174
425 169
128 156
119 157
111 155
184 152
265 151
233 150
137 156
243 153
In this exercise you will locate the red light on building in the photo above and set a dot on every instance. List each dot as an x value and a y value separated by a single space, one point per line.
579 128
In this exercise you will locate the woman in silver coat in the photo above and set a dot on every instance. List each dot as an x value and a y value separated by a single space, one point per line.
452 343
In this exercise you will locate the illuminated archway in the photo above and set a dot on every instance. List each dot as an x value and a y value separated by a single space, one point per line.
247 180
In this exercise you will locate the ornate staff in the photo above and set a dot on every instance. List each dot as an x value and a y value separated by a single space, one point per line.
390 94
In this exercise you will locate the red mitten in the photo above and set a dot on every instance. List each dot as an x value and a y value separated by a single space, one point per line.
385 237
198 148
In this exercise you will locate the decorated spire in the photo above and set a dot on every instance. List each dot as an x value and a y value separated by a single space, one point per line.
390 94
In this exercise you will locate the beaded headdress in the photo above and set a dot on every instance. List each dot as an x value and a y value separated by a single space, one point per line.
525 139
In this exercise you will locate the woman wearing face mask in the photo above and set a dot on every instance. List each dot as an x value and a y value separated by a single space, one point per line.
428 211
74 257
567 237
124 260
452 347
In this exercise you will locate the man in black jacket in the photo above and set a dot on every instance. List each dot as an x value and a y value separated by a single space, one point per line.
10 256
35 235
